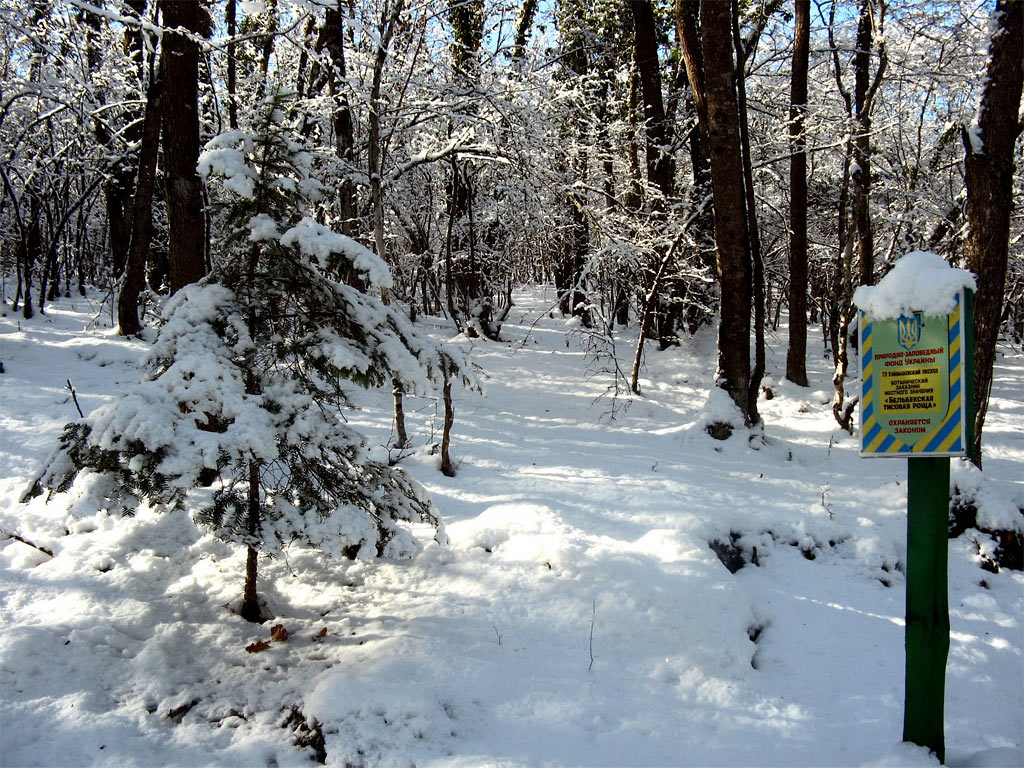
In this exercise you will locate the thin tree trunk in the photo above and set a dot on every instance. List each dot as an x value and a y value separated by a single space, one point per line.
250 609
446 436
863 96
856 168
700 306
796 356
753 232
344 131
142 216
401 436
230 18
660 163
31 250
468 273
569 273
645 321
388 26
117 189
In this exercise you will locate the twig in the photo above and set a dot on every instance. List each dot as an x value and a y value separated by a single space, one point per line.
498 634
74 396
21 540
593 615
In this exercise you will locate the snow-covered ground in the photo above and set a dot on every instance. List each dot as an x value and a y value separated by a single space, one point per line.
578 616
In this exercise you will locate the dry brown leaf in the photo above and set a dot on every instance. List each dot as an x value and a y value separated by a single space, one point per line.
278 633
260 645
321 634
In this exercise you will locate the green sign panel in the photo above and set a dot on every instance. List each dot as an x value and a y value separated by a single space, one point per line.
912 376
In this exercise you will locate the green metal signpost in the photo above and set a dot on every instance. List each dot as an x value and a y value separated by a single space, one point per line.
916 402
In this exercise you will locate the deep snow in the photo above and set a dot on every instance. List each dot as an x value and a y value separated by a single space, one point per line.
578 616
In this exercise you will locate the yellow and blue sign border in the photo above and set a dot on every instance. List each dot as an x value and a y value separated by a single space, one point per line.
949 438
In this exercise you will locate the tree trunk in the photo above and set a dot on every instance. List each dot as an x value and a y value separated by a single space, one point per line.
180 62
863 95
526 15
753 233
468 277
731 236
401 435
250 610
446 435
231 19
856 168
374 137
117 188
660 162
32 249
660 165
701 301
796 356
988 166
576 243
344 132
142 216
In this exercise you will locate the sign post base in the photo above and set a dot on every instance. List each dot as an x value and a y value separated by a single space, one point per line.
927 628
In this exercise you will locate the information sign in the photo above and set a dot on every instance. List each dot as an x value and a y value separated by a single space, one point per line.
912 374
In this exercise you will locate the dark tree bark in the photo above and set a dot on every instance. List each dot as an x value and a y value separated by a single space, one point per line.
838 291
856 189
701 301
576 241
117 189
180 62
468 284
446 435
864 90
660 165
523 28
727 182
989 174
231 19
753 231
796 356
142 216
344 132
660 162
250 608
31 251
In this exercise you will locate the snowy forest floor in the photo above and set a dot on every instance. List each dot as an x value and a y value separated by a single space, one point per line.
578 617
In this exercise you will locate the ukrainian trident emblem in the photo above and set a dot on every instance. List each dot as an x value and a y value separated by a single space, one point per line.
908 331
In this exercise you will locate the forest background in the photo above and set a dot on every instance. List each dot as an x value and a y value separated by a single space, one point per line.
646 158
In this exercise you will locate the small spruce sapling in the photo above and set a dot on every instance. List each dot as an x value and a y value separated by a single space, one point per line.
239 417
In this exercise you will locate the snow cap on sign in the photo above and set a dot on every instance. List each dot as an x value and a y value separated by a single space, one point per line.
921 281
